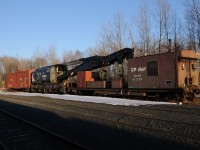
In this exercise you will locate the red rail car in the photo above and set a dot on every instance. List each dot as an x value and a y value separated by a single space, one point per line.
165 74
20 80
11 80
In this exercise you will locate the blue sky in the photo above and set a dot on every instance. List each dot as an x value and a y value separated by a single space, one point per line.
26 25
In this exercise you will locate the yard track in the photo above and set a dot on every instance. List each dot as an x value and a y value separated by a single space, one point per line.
17 133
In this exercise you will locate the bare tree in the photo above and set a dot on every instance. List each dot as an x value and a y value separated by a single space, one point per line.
131 38
144 27
177 32
78 54
92 51
9 64
118 24
51 55
192 16
113 36
25 63
119 32
39 59
162 16
69 55
105 43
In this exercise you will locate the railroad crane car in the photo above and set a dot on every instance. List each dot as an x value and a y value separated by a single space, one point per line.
57 78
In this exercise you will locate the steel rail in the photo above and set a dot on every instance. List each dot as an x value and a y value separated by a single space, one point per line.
50 133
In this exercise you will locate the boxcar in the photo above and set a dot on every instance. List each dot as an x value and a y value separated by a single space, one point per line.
20 80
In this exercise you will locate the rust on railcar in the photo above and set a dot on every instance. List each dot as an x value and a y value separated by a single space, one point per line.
11 80
83 77
171 70
19 80
152 71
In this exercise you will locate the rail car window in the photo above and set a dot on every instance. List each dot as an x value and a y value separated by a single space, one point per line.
152 68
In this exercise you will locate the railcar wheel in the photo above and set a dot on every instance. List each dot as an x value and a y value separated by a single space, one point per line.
180 97
32 90
157 97
62 90
190 96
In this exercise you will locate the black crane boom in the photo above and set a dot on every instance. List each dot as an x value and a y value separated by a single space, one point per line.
95 62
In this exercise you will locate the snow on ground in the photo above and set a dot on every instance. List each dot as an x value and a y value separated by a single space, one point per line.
94 99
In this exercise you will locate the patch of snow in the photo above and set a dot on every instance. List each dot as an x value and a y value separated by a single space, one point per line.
197 95
93 99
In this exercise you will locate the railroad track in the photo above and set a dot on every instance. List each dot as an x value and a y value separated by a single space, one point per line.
16 133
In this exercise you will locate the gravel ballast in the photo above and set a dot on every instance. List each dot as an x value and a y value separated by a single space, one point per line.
102 126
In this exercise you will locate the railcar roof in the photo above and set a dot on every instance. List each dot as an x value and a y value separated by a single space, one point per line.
181 54
188 54
45 67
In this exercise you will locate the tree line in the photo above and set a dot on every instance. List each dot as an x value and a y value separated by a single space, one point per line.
148 33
